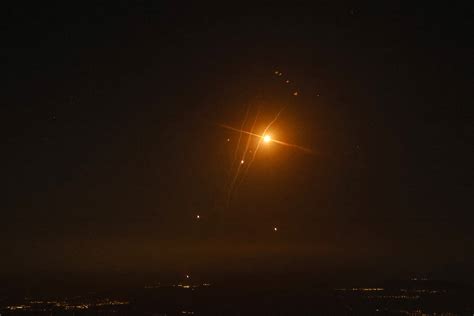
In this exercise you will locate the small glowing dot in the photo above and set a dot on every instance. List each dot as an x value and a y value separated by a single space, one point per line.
275 229
198 217
280 73
228 139
287 81
267 138
187 276
241 162
295 93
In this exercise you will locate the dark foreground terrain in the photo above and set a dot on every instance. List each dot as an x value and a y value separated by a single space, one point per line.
408 297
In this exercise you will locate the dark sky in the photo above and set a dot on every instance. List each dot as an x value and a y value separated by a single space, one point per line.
111 145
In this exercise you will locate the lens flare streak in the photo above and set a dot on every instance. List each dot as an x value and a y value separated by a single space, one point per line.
232 184
272 140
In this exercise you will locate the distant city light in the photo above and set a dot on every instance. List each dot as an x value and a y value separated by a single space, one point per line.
267 138
275 229
198 217
242 162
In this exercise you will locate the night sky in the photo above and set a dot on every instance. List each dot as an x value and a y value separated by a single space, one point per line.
112 145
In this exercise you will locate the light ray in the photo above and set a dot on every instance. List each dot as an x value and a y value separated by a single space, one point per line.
240 137
232 184
273 140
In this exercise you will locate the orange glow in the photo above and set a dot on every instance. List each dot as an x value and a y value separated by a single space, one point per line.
267 138
307 150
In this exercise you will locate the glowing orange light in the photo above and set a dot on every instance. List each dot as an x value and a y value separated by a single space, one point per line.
307 150
275 229
241 162
198 217
267 138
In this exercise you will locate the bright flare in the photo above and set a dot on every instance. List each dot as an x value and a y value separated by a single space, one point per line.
267 138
